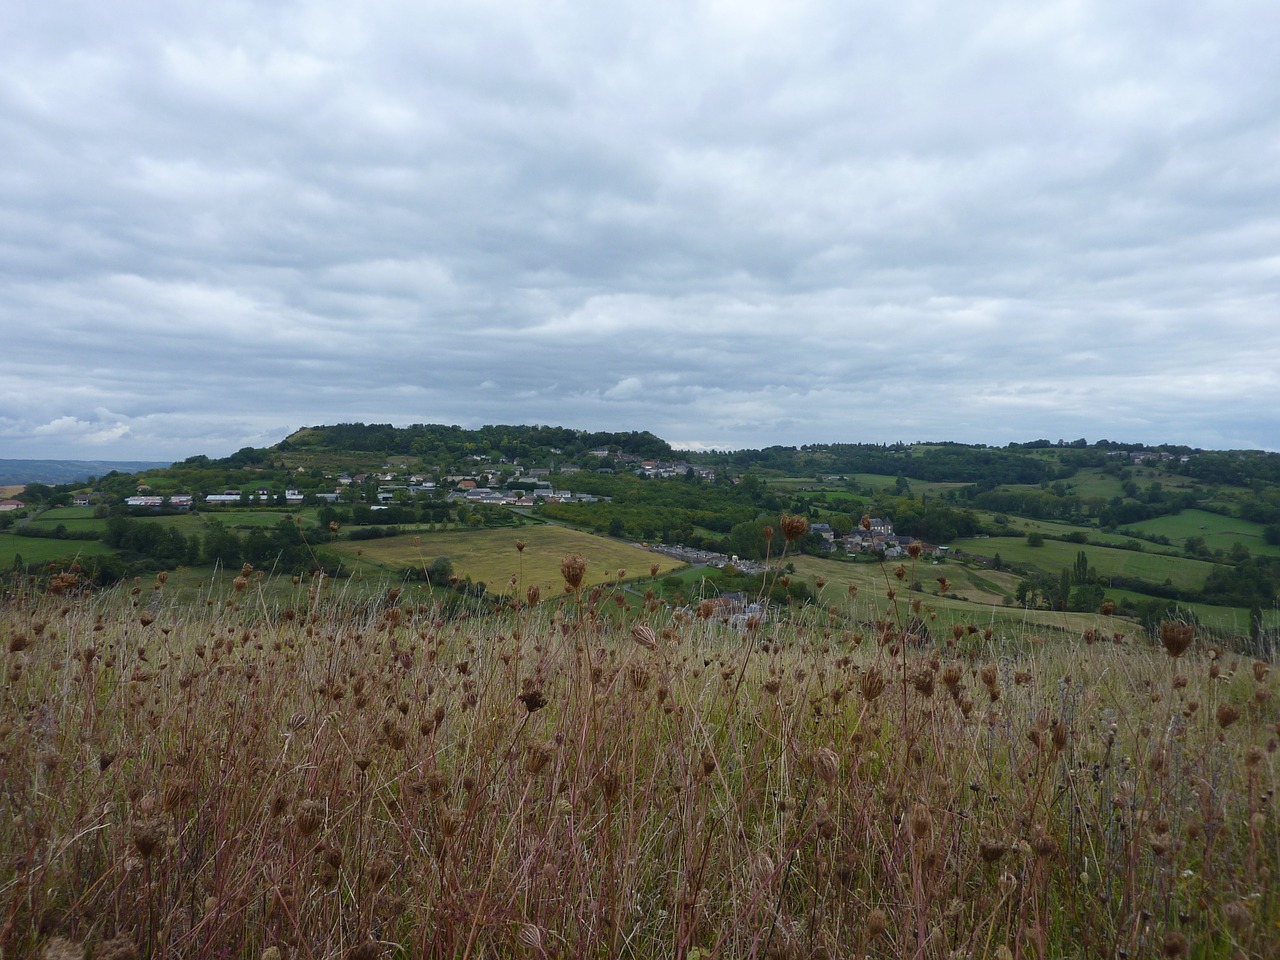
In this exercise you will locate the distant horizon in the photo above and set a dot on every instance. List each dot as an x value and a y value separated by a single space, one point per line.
99 456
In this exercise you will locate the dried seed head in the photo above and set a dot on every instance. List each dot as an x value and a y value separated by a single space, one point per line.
537 754
921 821
1228 713
147 837
826 765
1058 735
643 634
1175 944
530 936
872 684
877 923
1237 915
1043 844
60 948
991 850
639 676
451 821
952 674
117 948
922 680
573 567
793 526
1176 636
309 817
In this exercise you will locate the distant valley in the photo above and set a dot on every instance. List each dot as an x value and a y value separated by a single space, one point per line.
16 472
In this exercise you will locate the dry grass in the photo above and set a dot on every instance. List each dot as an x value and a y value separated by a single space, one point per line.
381 782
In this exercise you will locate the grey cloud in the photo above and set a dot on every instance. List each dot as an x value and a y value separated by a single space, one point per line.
729 223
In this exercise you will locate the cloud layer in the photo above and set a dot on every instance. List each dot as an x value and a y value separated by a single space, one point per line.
734 224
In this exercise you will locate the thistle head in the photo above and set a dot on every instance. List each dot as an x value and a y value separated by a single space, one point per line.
1176 637
573 567
793 527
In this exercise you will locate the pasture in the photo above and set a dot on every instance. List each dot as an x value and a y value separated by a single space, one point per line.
1219 532
1055 556
491 557
40 550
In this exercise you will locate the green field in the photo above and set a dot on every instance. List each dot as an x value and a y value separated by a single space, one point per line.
1182 572
39 550
73 518
982 606
64 514
1055 528
1219 532
491 557
246 519
1092 482
1232 619
974 597
880 481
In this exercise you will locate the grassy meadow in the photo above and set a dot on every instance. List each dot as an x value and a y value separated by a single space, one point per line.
1053 555
377 780
491 556
39 550
1219 532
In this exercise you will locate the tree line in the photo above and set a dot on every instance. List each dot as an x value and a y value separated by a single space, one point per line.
147 545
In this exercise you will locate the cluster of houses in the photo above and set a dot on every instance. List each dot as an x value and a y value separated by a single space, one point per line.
465 489
878 538
489 484
179 501
709 558
672 470
184 501
488 487
736 610
1150 456
520 498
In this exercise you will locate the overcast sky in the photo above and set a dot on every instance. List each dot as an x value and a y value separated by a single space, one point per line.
731 223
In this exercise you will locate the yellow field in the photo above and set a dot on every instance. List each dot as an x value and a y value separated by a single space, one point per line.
490 556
